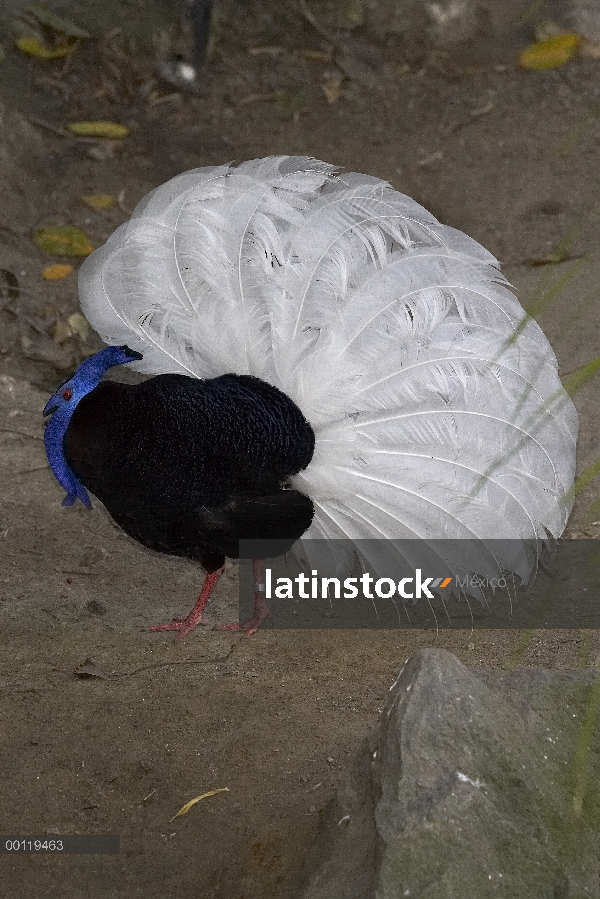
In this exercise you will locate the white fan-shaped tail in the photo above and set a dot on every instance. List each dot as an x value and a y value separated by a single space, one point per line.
435 400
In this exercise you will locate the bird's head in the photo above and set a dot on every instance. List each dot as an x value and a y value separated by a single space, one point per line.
61 406
85 378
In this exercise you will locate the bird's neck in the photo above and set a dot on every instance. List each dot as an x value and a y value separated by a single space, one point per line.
54 434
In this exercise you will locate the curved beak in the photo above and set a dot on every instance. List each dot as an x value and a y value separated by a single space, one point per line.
48 409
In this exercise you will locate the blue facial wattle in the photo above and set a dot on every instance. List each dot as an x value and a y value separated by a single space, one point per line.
61 406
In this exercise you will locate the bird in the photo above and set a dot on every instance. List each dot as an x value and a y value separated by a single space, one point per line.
328 367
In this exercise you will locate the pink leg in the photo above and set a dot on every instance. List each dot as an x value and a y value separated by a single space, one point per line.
261 612
185 625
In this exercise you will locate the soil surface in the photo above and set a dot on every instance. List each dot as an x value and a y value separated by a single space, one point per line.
109 728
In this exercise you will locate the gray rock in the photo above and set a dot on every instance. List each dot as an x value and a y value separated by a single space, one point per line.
469 787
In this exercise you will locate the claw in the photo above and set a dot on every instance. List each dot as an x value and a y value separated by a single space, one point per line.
247 628
185 625
182 625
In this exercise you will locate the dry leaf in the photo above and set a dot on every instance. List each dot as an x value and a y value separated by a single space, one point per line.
185 808
101 152
56 272
62 240
332 87
79 325
354 14
315 55
551 259
33 47
546 28
549 54
266 51
75 325
56 23
99 201
483 110
98 129
61 331
89 670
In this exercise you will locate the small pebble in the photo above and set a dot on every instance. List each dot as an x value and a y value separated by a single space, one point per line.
95 607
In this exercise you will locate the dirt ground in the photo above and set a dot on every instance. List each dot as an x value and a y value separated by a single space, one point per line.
108 728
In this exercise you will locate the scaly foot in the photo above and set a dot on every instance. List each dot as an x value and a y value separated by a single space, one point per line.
184 625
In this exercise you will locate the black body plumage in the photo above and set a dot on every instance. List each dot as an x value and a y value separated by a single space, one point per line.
189 467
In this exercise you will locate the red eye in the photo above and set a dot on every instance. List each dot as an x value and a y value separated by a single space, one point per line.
67 393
